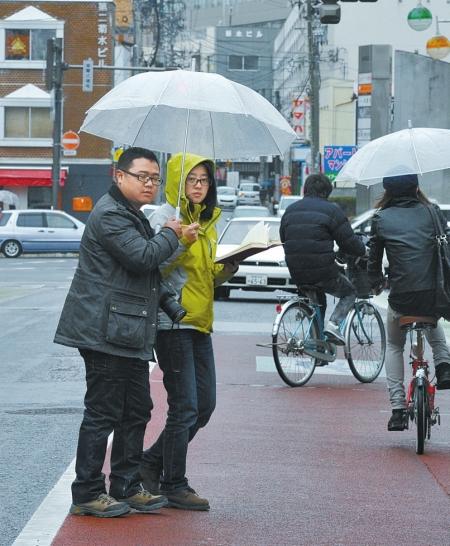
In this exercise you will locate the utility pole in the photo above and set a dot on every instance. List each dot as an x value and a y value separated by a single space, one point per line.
314 84
54 79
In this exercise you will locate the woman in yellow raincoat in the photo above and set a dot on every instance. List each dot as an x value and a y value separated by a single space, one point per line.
184 348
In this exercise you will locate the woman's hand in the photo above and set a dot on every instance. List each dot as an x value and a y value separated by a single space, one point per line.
190 232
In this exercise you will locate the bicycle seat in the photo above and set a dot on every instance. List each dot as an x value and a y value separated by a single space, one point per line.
416 322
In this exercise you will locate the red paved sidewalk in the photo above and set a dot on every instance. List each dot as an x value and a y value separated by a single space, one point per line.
307 466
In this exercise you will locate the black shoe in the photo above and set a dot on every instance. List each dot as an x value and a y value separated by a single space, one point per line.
322 363
398 420
150 478
443 376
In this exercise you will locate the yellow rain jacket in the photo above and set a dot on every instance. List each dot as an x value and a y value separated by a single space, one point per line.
190 271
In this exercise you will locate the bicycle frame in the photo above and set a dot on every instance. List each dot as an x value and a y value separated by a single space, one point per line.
420 373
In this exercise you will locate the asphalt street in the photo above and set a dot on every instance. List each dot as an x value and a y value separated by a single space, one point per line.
282 463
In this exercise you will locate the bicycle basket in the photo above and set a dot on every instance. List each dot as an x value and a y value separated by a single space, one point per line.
358 275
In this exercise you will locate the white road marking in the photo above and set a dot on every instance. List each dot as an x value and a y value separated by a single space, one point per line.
338 367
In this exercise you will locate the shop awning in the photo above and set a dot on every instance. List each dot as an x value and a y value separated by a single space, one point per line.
29 177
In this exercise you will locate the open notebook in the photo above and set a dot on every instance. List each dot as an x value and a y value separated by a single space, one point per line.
257 240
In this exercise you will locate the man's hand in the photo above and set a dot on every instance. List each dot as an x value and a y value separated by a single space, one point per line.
175 225
231 267
190 232
379 287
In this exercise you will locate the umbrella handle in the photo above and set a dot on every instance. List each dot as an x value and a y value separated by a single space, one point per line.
177 212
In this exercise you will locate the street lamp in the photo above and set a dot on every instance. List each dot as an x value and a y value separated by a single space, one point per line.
420 18
438 46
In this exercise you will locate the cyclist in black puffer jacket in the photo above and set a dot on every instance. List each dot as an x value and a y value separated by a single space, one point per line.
309 228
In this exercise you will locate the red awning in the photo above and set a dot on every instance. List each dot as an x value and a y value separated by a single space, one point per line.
29 177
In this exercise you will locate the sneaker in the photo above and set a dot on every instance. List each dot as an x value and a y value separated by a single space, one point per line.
333 333
186 499
443 376
144 501
398 420
104 506
150 478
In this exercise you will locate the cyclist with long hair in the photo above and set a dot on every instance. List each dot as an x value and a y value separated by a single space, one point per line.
403 227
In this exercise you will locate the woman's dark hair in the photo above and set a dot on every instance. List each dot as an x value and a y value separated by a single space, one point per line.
317 185
130 154
210 200
387 199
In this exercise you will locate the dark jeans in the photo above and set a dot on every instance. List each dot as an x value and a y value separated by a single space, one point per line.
117 399
340 287
187 361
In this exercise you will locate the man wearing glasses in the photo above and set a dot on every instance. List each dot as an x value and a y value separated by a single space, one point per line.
110 317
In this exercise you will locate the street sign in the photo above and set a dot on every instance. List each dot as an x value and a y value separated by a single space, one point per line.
335 157
88 75
70 142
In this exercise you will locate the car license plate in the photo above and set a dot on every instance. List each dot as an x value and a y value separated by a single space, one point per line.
257 280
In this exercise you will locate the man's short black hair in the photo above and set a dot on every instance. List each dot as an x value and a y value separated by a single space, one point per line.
130 154
317 185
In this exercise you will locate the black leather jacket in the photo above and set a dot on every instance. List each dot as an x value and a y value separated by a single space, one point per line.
112 303
405 230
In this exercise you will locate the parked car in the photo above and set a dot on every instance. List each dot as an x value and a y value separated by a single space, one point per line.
248 193
38 230
285 201
266 271
248 210
226 197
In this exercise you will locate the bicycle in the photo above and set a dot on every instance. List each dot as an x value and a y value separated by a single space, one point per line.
420 396
299 344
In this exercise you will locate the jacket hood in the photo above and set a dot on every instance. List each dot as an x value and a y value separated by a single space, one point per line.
174 168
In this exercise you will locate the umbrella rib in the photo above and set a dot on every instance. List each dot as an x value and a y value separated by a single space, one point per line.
212 135
411 136
142 124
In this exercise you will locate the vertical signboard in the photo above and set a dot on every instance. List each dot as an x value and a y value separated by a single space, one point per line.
335 157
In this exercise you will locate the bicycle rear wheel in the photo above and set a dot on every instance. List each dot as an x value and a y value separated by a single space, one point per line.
420 416
365 342
294 327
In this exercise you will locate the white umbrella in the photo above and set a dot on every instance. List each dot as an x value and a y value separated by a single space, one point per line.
179 110
9 198
203 113
416 150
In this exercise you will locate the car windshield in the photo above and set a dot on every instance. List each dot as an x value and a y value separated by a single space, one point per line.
226 190
286 201
249 187
234 233
4 217
251 211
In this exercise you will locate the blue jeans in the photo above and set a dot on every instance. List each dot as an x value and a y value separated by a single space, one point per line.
186 358
117 399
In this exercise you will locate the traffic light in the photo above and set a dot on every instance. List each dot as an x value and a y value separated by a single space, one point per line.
330 12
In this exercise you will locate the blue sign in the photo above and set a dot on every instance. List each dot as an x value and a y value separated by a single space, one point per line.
335 157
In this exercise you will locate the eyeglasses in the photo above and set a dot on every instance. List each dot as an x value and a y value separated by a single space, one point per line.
144 179
193 181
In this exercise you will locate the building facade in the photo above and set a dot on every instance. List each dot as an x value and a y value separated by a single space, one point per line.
26 106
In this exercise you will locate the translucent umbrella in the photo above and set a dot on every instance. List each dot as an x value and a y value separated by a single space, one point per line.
415 150
202 113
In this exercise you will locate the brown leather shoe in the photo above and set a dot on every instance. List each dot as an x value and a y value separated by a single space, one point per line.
186 499
144 501
104 506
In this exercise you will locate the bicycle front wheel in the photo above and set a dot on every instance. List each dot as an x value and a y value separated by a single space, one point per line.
294 328
365 342
420 416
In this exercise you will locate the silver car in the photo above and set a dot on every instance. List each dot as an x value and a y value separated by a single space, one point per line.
248 194
38 231
226 197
